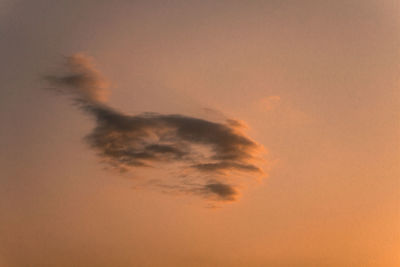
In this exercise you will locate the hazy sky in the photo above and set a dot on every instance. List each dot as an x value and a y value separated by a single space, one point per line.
277 122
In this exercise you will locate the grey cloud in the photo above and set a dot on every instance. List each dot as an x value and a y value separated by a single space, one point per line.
224 192
212 189
148 139
82 80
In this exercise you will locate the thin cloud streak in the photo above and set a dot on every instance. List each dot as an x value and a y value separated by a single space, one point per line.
148 140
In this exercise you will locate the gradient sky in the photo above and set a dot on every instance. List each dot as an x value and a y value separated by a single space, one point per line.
316 82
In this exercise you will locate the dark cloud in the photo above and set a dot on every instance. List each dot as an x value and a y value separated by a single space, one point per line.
150 139
82 80
224 192
211 189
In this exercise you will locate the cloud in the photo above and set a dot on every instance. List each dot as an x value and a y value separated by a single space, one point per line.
82 80
211 189
224 192
200 147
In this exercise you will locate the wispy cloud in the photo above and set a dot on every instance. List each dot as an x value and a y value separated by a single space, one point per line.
82 80
204 148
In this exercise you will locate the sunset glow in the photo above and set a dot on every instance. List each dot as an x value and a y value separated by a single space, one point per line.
200 133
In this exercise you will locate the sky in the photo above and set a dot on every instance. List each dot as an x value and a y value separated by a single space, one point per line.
200 133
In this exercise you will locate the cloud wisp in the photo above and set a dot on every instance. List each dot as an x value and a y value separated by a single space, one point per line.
212 152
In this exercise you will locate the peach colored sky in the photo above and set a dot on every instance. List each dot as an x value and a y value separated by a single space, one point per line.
316 82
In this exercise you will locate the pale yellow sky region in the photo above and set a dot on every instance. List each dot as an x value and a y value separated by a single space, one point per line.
200 133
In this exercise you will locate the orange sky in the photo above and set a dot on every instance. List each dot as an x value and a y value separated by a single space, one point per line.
316 82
